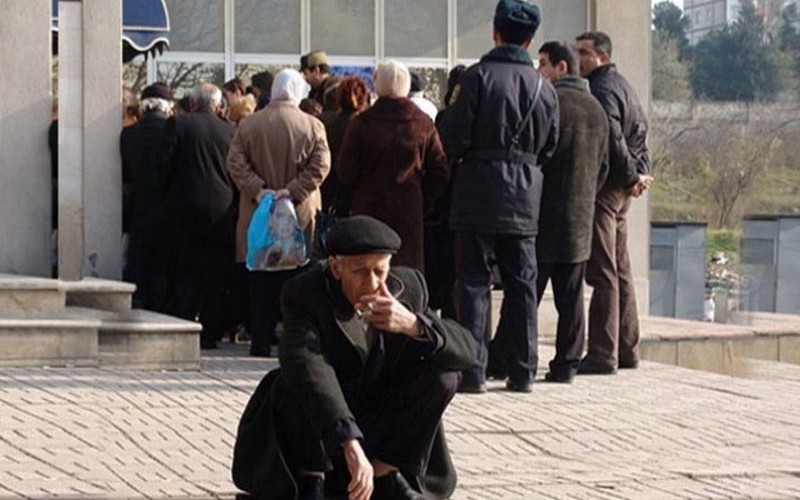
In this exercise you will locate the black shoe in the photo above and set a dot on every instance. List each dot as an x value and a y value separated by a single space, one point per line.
393 486
589 367
495 369
310 488
629 365
559 378
261 353
513 386
472 388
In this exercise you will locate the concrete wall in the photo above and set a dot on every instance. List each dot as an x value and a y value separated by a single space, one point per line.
628 25
25 105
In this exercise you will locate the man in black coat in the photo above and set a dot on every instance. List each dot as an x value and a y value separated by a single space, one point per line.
613 318
503 125
572 178
142 147
199 204
366 372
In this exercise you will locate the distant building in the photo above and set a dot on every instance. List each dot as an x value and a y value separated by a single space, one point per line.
707 15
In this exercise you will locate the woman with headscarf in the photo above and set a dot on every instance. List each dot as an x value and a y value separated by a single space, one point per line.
391 164
283 151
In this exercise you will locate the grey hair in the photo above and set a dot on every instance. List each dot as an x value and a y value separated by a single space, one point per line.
206 97
155 104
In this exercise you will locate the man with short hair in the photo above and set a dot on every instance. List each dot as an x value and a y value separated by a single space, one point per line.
200 212
613 318
316 71
572 178
417 96
366 372
503 124
262 88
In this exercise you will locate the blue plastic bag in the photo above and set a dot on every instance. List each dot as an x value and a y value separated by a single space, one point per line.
275 241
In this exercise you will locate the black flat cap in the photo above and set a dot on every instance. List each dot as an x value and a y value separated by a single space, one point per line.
362 234
517 15
159 89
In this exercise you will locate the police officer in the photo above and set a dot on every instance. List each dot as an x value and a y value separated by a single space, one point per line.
503 125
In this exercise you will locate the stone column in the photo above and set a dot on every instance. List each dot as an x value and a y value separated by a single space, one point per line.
627 22
25 104
70 141
90 189
102 116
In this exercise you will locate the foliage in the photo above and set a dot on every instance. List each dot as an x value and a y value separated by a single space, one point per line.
672 23
723 240
734 63
670 74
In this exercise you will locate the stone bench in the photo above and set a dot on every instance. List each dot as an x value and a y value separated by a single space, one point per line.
47 341
98 293
25 294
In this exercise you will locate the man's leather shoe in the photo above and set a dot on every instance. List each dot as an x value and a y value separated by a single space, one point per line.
311 488
513 386
393 486
589 367
472 388
629 365
559 378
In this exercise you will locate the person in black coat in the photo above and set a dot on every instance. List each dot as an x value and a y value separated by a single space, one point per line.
199 204
613 317
572 179
503 125
142 147
366 372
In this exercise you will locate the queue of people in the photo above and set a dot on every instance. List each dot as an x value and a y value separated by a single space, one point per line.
528 170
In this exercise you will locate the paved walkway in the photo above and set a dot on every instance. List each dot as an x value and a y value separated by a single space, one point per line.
657 433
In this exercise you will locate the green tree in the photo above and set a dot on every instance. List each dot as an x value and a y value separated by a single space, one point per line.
670 20
734 63
670 74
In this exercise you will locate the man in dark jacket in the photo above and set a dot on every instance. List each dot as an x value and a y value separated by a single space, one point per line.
366 372
142 147
613 319
199 204
503 125
572 178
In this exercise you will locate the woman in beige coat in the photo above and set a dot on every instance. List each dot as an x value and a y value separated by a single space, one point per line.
284 151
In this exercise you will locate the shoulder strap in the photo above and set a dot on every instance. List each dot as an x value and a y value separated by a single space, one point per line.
529 114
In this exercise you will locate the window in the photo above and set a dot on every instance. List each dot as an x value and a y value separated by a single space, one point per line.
343 27
196 26
267 26
416 28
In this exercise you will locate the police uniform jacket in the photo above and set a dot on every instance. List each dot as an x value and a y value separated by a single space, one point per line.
323 357
628 152
498 187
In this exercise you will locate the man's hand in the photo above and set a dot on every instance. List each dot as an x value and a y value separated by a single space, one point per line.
282 193
260 196
384 312
361 474
641 186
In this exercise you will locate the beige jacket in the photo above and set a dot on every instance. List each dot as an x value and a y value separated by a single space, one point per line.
279 147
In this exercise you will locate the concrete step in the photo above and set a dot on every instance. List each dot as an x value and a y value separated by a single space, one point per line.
48 341
94 293
26 294
144 340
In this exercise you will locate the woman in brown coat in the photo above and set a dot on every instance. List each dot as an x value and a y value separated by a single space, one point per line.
391 164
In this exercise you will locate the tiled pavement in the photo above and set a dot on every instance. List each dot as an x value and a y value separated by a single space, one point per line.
657 433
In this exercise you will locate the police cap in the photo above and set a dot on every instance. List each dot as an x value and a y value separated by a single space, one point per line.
516 18
362 234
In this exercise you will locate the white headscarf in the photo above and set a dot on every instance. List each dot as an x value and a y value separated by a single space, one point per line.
289 85
392 79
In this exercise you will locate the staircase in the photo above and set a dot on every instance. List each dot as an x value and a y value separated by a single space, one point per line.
89 323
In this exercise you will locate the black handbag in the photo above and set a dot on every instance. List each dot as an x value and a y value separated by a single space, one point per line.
324 220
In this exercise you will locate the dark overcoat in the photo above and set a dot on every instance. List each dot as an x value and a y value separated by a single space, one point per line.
392 167
336 125
323 357
573 176
498 188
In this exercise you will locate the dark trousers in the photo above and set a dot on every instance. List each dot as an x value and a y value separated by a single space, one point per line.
516 338
198 285
613 318
567 284
265 308
440 271
399 426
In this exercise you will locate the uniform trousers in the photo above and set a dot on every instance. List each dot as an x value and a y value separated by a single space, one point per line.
515 341
567 285
613 318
